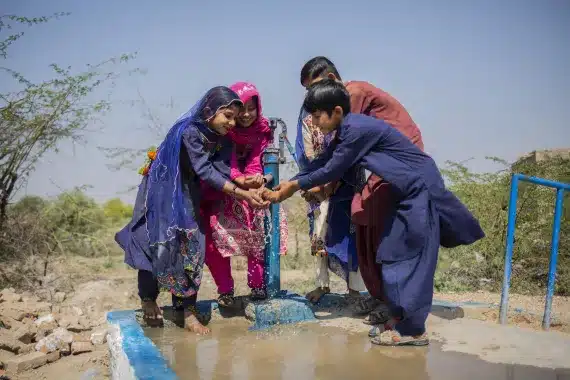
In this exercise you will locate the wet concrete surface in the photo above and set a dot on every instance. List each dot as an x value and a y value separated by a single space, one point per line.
311 351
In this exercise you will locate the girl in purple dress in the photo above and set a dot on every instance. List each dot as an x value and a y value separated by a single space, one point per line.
165 239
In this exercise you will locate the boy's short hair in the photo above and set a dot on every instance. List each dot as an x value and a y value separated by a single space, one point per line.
318 67
325 95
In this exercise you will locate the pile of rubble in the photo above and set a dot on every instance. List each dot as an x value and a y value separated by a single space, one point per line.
34 332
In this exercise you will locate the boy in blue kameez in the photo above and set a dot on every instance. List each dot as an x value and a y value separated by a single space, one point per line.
425 215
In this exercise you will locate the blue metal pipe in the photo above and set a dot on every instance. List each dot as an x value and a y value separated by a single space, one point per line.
558 209
272 259
543 182
509 248
553 257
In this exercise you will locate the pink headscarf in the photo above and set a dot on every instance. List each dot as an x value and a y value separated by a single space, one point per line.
260 127
254 139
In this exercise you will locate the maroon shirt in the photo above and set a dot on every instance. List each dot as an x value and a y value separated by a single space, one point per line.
372 101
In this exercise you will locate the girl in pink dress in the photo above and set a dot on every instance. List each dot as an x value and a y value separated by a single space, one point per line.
237 228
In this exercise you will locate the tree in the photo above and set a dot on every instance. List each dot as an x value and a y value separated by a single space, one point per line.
487 196
38 116
116 210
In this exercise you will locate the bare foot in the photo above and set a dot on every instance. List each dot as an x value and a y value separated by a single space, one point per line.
315 295
152 314
191 323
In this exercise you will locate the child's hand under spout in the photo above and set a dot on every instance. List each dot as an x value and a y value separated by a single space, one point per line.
281 192
254 181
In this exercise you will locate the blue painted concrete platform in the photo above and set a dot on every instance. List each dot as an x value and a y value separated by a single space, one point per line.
133 355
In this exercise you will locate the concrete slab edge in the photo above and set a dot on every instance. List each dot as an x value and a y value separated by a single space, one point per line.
133 355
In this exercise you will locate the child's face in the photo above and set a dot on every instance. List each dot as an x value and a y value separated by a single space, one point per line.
325 122
248 113
224 119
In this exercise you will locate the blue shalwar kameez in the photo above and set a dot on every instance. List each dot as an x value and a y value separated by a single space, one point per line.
426 214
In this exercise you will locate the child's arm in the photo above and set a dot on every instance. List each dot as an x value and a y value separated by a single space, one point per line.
207 172
252 176
308 139
354 145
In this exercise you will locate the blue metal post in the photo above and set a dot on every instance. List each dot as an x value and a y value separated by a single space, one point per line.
272 259
553 258
509 248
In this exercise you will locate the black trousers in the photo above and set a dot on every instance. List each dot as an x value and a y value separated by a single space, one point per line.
148 291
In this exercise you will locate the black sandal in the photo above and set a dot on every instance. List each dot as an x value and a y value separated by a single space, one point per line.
258 294
227 300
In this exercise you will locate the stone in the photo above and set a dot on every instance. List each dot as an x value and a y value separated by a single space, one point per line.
8 323
38 308
81 325
26 333
99 337
81 347
56 309
45 329
59 339
26 309
8 342
66 320
59 297
77 311
82 337
25 362
45 326
53 356
27 348
17 315
30 298
8 296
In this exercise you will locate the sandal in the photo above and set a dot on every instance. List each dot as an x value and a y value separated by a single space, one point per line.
378 316
377 330
227 300
258 294
393 338
366 305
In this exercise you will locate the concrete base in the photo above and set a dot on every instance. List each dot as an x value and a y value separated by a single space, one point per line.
134 356
284 308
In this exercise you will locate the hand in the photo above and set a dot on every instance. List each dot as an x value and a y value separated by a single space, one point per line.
255 199
317 194
286 190
272 196
254 181
330 188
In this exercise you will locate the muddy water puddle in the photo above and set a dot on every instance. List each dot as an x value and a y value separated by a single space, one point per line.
310 351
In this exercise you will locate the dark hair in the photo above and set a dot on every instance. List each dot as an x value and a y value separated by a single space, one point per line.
325 95
318 67
219 97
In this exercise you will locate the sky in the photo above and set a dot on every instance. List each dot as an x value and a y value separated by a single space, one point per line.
480 78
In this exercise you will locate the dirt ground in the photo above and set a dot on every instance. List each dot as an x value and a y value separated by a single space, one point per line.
107 284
